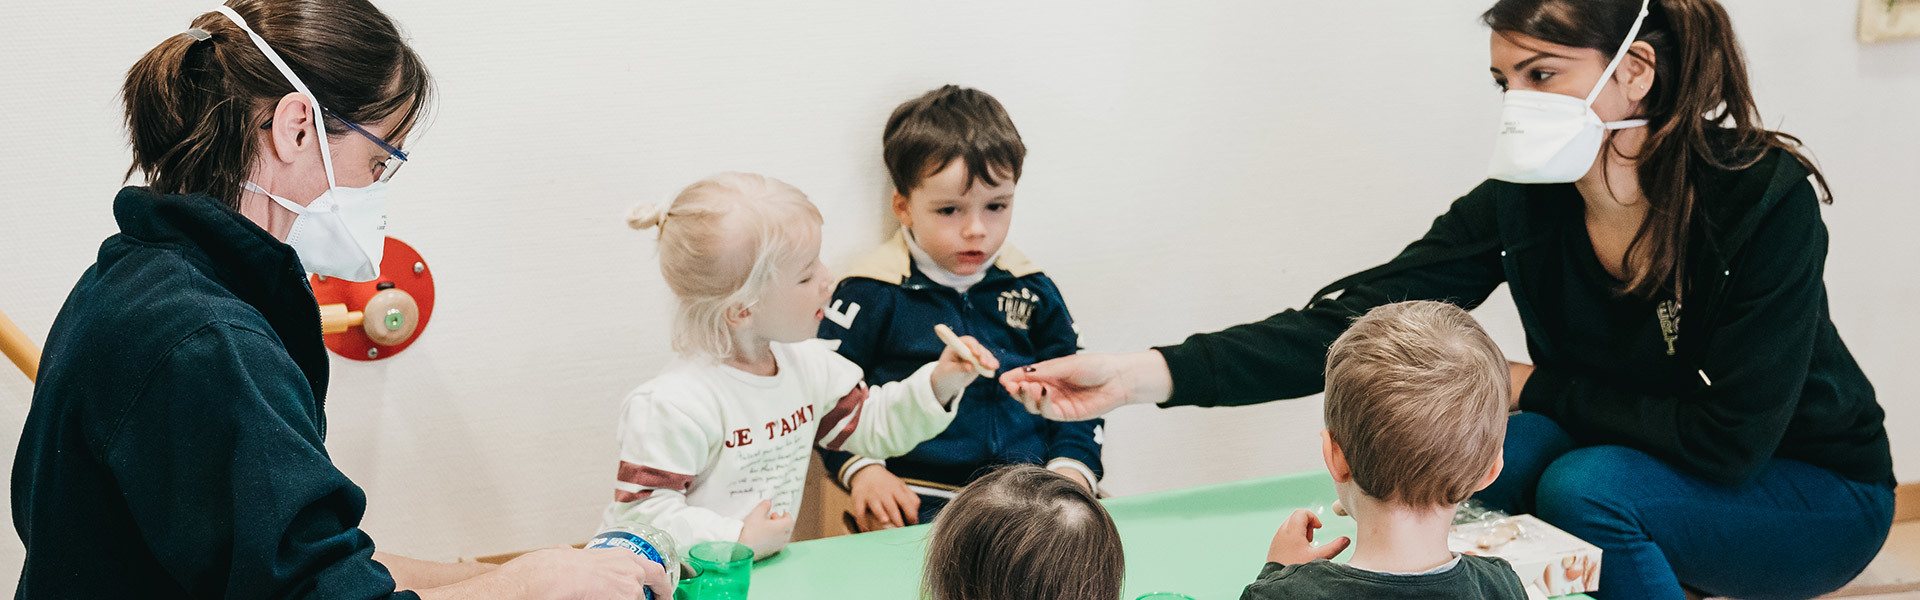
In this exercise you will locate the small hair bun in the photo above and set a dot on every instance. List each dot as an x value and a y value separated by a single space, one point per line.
647 216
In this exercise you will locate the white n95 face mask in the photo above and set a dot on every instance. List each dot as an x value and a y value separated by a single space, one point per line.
1554 138
343 232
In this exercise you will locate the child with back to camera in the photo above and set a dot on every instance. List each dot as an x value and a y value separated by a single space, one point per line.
1023 532
1416 412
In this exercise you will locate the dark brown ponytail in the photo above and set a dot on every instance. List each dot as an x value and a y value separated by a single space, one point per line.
194 107
1700 111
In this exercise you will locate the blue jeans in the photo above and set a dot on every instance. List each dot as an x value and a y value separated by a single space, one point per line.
1794 531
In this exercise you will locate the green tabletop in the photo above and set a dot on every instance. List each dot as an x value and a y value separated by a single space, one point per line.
1207 542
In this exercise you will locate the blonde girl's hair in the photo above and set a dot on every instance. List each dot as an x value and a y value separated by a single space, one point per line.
722 242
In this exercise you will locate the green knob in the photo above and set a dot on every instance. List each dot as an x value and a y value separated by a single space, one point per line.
395 320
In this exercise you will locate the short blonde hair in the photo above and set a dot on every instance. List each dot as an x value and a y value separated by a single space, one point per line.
1417 400
722 240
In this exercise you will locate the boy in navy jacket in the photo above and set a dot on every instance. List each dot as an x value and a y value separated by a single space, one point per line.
954 158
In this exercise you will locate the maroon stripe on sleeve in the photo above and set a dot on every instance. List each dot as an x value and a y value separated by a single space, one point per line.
852 423
650 477
849 405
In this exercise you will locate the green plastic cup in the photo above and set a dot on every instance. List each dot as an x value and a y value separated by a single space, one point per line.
722 572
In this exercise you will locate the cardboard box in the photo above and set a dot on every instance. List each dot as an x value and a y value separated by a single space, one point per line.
1549 561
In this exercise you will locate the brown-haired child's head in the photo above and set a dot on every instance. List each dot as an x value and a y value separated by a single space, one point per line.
1024 532
927 133
955 159
1416 405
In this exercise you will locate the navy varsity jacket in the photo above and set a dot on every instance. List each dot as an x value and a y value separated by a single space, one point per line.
883 313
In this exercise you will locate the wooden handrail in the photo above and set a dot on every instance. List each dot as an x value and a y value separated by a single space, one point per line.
15 344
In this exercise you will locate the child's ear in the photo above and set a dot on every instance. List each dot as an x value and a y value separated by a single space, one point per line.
900 209
1336 460
1493 473
739 316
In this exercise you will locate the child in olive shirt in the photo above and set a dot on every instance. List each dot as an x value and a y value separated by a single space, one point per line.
1416 407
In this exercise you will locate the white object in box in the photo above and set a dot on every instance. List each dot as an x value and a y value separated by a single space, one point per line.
1548 560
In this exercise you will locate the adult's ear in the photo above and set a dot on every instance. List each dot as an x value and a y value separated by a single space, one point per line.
291 133
1636 73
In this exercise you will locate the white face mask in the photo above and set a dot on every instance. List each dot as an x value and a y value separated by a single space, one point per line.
343 232
1554 138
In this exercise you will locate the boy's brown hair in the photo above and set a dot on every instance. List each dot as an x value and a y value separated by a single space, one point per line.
1417 401
1024 532
926 134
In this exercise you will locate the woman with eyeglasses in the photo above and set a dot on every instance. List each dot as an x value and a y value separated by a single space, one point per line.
175 446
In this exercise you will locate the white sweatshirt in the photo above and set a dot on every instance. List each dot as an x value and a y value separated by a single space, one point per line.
703 443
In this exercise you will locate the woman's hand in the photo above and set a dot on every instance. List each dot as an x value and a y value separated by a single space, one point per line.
564 574
1085 386
1517 372
881 500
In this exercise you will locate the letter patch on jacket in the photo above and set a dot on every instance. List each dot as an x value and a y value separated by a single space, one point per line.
843 319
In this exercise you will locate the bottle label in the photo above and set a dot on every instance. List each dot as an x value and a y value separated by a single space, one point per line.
631 543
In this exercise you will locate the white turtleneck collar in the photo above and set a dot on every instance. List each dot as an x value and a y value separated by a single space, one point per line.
925 262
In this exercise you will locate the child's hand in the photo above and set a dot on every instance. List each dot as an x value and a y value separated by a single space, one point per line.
882 501
953 374
1075 475
766 532
1293 543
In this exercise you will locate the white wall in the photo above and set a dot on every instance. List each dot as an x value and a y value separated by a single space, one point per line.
1193 165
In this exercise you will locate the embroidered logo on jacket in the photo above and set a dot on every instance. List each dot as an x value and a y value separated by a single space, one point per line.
1018 306
1669 313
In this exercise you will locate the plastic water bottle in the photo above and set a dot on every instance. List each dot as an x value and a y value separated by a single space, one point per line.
650 543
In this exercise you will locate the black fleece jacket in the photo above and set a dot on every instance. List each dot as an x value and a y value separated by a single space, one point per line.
174 447
1757 370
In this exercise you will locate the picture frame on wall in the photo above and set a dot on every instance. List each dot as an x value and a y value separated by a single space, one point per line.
1883 20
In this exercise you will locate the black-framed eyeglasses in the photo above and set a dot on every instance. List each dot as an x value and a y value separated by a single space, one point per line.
395 156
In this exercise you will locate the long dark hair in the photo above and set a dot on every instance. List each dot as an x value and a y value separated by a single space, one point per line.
194 107
1024 532
1700 111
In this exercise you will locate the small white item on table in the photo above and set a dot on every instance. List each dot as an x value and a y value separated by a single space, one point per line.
1553 561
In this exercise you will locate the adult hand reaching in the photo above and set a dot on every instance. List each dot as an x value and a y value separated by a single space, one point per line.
1086 386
